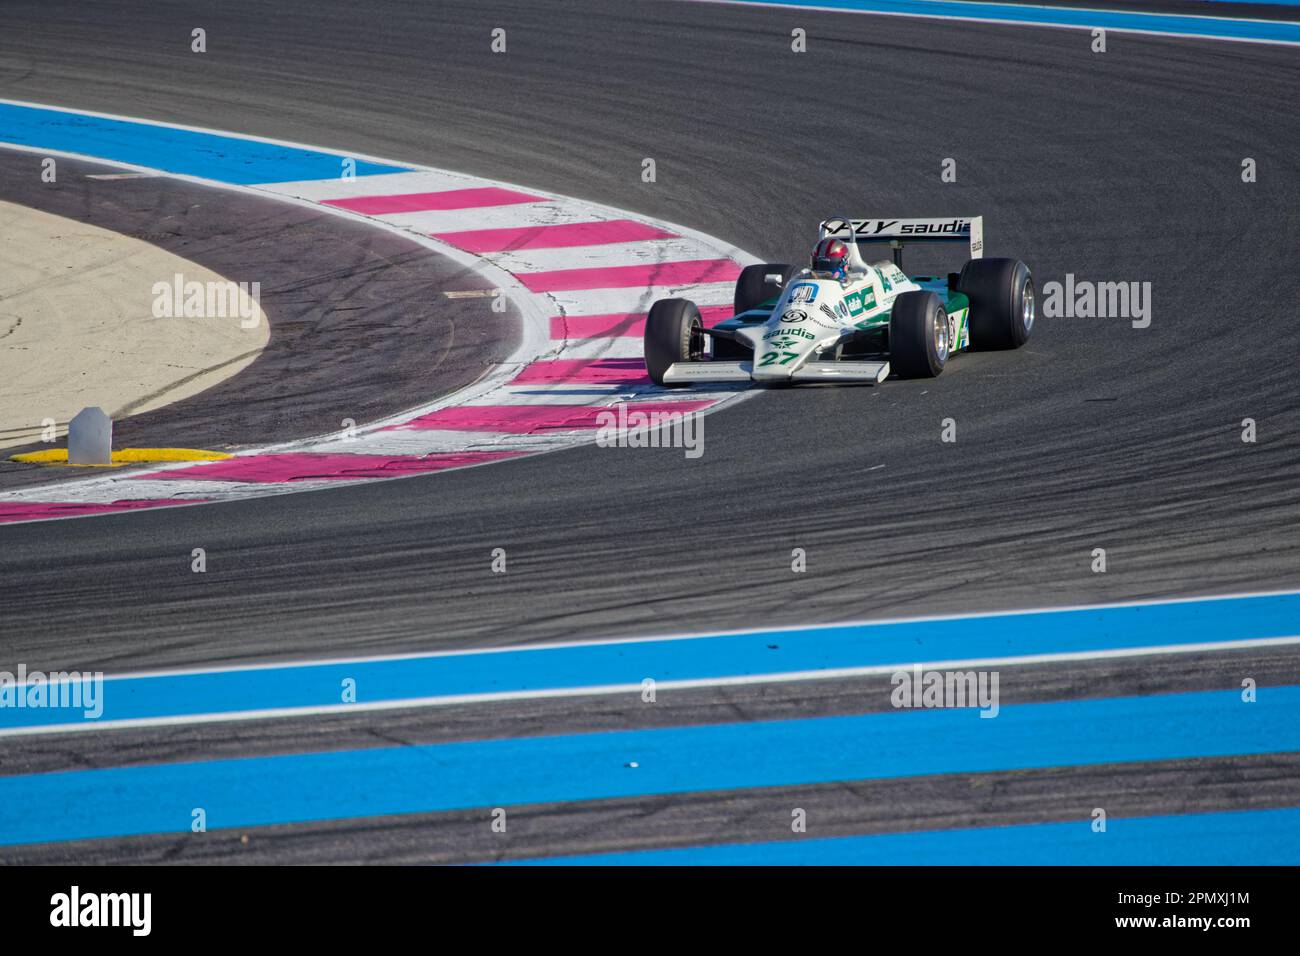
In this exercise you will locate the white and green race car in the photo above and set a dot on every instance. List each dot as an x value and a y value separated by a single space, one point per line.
847 320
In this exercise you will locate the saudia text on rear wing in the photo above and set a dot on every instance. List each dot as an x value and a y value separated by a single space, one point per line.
900 232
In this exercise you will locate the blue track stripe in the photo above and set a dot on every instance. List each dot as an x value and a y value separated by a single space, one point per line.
226 159
1226 28
1254 837
710 657
395 780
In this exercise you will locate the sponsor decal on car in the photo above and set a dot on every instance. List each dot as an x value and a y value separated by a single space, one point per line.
955 227
785 334
803 292
960 337
888 227
862 301
795 315
826 317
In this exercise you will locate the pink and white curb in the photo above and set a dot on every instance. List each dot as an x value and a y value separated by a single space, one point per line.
581 275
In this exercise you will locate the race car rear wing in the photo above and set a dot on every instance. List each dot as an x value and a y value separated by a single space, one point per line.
900 232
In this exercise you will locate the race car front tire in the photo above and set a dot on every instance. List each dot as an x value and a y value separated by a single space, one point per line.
1002 304
918 335
674 332
758 283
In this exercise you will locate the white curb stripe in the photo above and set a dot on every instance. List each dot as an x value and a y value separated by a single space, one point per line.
644 252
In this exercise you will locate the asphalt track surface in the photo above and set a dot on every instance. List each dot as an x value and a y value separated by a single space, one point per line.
1120 166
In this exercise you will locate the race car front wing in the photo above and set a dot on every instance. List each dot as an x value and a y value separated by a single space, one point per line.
690 373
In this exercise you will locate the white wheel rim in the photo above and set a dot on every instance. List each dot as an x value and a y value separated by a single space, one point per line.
941 338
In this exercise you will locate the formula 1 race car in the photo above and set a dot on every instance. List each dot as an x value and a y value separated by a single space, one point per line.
846 320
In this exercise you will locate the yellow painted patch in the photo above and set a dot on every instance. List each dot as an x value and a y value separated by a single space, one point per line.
125 456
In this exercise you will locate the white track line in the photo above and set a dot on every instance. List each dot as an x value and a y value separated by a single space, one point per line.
635 689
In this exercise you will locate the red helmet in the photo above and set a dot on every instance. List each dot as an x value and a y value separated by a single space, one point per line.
831 255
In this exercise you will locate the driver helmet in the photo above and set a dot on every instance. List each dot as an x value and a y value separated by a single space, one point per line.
831 256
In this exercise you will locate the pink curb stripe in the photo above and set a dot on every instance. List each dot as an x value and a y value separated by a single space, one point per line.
620 324
553 237
525 419
625 277
585 372
32 510
423 202
306 466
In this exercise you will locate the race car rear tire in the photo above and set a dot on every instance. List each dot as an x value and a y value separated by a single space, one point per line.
754 287
673 333
918 335
1002 302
